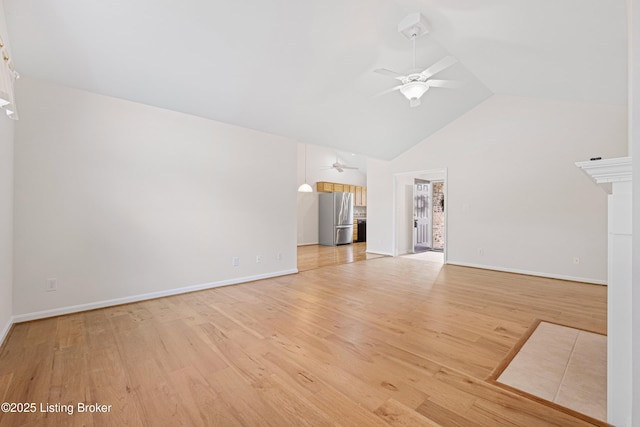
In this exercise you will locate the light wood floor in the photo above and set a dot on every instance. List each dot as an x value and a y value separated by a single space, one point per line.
388 341
315 256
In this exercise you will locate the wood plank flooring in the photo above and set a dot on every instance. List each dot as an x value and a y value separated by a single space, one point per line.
388 341
316 256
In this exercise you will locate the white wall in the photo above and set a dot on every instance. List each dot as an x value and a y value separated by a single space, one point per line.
634 151
307 212
403 212
116 199
380 218
6 210
318 168
513 189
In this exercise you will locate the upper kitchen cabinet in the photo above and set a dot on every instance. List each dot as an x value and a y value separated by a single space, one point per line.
324 187
360 193
361 196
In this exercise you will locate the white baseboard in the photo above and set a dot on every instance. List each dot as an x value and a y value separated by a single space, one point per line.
5 330
379 253
530 273
142 297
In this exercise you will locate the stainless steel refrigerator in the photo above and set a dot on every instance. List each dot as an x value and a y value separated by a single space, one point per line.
335 219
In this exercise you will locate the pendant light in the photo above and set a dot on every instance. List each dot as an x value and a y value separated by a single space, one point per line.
305 188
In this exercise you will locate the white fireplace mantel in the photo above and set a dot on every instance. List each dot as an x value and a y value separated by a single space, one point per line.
614 175
607 171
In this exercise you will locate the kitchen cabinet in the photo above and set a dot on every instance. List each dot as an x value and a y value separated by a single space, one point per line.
355 230
358 200
359 193
324 187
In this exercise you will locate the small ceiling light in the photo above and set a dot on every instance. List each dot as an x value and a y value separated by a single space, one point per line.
305 188
414 90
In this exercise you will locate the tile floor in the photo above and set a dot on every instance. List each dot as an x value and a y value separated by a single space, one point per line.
563 365
427 256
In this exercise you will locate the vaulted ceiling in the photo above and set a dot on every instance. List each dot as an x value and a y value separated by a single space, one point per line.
304 69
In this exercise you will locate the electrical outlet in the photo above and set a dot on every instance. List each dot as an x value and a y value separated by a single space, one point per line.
51 285
279 256
258 258
235 261
480 251
576 260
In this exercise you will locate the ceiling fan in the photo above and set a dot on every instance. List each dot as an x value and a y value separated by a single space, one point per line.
339 166
416 83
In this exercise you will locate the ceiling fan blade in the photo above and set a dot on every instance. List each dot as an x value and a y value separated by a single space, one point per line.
384 92
389 73
445 62
340 167
449 84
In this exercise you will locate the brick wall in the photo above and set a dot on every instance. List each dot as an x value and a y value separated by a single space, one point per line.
438 215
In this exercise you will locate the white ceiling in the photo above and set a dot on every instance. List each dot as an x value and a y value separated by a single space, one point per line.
304 69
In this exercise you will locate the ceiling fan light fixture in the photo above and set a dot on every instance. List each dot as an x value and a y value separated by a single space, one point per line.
414 90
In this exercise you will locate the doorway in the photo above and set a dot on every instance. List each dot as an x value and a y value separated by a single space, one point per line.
428 215
422 228
420 216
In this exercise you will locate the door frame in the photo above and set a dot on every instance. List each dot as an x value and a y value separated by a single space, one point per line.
400 218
